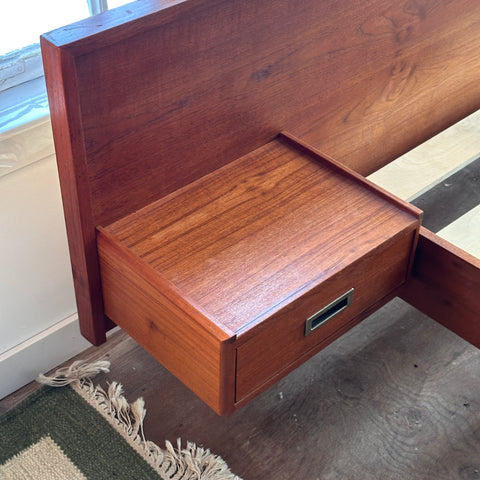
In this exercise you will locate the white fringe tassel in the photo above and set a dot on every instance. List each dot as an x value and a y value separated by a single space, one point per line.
74 373
189 463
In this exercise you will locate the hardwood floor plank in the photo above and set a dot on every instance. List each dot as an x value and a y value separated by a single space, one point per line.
397 397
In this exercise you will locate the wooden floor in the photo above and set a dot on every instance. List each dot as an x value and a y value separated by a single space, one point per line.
398 397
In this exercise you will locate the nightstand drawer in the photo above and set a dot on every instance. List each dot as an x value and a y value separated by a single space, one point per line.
220 280
282 342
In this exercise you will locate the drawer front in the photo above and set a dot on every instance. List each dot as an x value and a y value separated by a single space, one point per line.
281 340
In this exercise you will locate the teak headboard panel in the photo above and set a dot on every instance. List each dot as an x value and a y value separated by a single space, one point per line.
151 96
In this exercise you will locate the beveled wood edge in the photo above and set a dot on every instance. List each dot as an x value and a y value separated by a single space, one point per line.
84 35
228 368
444 285
352 174
119 24
450 247
221 332
210 372
61 87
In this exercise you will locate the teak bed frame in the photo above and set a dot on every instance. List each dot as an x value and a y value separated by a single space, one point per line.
202 216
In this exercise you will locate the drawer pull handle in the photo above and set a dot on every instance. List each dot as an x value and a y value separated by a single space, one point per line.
326 313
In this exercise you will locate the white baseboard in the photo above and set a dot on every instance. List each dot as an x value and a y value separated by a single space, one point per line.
22 363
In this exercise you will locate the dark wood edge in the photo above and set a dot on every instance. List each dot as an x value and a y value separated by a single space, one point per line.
228 368
163 285
122 263
464 256
445 285
66 123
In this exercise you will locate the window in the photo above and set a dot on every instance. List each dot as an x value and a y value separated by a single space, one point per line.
23 99
21 24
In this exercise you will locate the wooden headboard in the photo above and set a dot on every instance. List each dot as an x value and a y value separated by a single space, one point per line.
151 96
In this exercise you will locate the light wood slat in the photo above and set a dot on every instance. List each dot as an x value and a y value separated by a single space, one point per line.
425 166
446 275
465 232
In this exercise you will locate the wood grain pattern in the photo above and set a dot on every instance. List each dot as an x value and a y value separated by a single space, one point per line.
150 97
258 233
445 278
445 283
66 124
253 249
280 341
192 347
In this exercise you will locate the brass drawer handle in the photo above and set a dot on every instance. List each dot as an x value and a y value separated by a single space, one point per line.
326 313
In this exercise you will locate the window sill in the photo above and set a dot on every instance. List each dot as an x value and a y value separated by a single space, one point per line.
25 130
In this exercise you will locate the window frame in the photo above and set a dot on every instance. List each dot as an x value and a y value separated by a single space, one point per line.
25 131
25 63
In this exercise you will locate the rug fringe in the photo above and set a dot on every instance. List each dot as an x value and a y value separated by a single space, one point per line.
189 463
77 371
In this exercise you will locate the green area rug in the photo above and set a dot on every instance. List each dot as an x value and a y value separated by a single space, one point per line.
82 432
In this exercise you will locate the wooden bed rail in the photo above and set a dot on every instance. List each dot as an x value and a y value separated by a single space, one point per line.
445 284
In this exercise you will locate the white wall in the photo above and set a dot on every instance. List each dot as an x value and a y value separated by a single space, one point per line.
38 327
